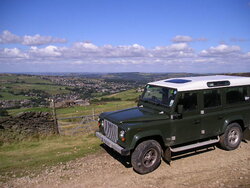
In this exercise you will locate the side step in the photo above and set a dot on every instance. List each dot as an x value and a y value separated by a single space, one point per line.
196 145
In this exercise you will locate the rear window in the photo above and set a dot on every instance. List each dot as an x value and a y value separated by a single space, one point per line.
212 98
236 95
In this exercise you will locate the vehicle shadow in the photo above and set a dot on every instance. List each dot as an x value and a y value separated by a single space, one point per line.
125 160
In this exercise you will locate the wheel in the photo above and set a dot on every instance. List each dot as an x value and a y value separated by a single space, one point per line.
146 157
232 137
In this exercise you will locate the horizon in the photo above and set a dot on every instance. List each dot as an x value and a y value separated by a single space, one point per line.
132 36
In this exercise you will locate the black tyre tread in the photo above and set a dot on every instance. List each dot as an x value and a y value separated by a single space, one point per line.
138 153
223 138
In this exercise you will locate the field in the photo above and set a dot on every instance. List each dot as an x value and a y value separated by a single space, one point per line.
128 99
12 85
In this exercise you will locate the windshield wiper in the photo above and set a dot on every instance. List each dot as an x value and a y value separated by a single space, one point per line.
154 102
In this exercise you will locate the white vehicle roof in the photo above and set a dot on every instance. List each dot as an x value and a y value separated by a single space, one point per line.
202 82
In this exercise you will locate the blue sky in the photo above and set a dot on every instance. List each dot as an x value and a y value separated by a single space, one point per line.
125 35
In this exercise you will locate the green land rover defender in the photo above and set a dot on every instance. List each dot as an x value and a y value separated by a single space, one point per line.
179 114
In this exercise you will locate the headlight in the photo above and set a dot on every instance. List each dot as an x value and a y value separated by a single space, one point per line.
100 123
122 135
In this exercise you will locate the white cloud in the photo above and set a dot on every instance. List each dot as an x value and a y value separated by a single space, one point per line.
174 57
49 51
184 39
179 46
181 38
12 53
173 50
246 56
221 50
85 46
40 40
8 38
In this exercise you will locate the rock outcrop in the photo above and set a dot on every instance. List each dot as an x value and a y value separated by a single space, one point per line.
29 123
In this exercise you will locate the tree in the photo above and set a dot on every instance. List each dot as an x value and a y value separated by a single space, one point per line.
3 112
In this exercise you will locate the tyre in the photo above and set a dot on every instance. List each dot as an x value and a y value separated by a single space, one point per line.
146 157
232 137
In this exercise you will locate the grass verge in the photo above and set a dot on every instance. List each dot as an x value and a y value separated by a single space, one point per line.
31 156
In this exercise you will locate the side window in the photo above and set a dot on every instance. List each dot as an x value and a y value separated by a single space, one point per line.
236 95
189 101
212 98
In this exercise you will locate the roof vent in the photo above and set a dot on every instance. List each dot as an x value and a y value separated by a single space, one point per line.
178 81
219 83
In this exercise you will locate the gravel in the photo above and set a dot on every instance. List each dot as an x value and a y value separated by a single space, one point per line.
210 169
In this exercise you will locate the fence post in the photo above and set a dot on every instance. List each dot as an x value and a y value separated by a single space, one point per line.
93 112
54 116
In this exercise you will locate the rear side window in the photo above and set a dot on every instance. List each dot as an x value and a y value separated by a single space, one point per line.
236 95
189 101
212 98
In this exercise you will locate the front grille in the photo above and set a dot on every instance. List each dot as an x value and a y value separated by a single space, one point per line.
111 130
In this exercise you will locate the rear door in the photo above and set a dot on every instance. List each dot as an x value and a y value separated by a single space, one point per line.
212 113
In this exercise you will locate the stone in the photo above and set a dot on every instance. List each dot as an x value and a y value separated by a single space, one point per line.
29 123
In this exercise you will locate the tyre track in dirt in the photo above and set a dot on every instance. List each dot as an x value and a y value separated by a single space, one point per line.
205 169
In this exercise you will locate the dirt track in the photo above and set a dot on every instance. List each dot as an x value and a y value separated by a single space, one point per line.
212 168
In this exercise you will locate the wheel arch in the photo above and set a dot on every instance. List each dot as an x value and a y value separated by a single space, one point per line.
236 119
148 135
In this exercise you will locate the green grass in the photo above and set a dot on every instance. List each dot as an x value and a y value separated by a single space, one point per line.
9 96
18 83
34 79
98 108
125 95
14 112
23 78
51 89
32 155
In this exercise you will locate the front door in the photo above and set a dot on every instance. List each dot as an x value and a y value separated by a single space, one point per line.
188 127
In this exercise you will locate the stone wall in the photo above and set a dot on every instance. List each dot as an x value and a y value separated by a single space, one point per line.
29 123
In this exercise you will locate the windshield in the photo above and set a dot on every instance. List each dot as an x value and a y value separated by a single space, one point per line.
159 95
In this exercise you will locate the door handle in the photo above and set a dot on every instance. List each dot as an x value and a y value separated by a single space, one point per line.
220 117
197 121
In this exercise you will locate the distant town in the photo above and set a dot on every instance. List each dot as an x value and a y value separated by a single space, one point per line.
71 89
21 90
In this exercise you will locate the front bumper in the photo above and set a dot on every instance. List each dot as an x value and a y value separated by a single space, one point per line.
112 145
